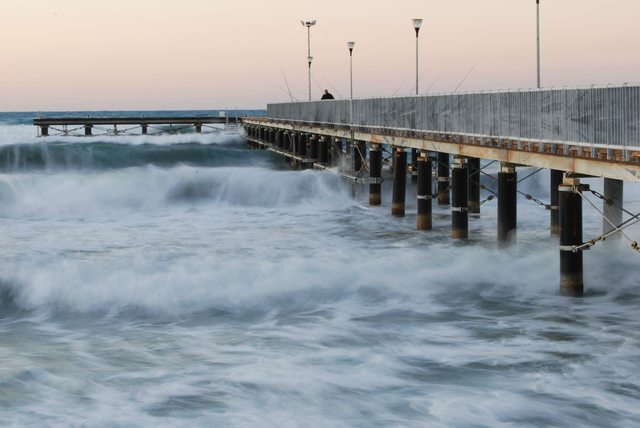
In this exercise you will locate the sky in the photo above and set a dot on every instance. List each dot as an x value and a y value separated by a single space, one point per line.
243 54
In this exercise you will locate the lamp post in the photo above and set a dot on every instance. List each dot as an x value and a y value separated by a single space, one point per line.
350 45
538 38
309 24
416 24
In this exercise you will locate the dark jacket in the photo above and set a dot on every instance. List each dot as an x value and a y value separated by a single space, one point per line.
327 96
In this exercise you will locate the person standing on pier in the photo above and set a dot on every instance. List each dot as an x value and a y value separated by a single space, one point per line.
327 95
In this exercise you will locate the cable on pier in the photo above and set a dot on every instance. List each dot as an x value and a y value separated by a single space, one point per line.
635 218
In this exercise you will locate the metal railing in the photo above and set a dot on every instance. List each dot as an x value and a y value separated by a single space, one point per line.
606 117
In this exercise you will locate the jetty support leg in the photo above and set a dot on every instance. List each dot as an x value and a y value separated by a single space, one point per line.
507 204
302 146
415 154
44 131
144 129
399 182
555 180
425 191
443 179
198 127
571 267
313 148
459 199
336 152
375 171
87 129
612 207
323 150
474 185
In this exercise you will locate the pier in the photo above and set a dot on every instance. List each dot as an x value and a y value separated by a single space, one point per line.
88 126
574 132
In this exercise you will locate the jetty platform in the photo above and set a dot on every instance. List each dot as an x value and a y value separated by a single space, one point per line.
573 132
115 125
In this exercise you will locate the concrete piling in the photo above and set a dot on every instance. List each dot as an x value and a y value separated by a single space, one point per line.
323 150
313 148
415 154
507 204
459 199
399 182
555 180
443 179
425 190
375 171
473 165
571 266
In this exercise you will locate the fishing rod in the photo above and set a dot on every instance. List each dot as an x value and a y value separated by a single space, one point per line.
287 83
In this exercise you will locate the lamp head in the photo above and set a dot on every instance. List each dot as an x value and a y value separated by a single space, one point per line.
308 23
417 23
350 45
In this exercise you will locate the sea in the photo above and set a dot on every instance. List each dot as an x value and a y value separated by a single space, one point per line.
186 280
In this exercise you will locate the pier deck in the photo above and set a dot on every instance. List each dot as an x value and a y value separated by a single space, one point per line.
142 122
575 133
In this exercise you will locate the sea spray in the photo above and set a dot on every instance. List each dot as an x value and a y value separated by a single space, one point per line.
217 287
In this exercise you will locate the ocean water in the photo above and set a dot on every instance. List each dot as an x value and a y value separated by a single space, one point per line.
185 280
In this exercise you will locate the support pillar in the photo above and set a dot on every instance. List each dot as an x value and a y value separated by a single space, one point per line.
144 129
414 165
337 145
612 207
507 204
399 182
555 180
87 129
198 127
323 150
302 146
425 190
571 267
474 185
459 199
375 171
443 179
44 130
313 147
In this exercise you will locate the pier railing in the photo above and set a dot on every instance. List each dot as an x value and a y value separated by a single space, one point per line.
599 117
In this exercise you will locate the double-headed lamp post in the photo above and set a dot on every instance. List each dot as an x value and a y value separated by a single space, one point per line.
416 24
309 24
350 45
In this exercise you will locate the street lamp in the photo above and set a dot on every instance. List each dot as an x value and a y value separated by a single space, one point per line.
350 45
309 24
538 37
416 24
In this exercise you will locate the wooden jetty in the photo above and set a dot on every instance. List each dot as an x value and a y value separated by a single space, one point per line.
574 132
159 124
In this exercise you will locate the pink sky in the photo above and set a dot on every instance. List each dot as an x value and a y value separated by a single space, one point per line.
217 54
